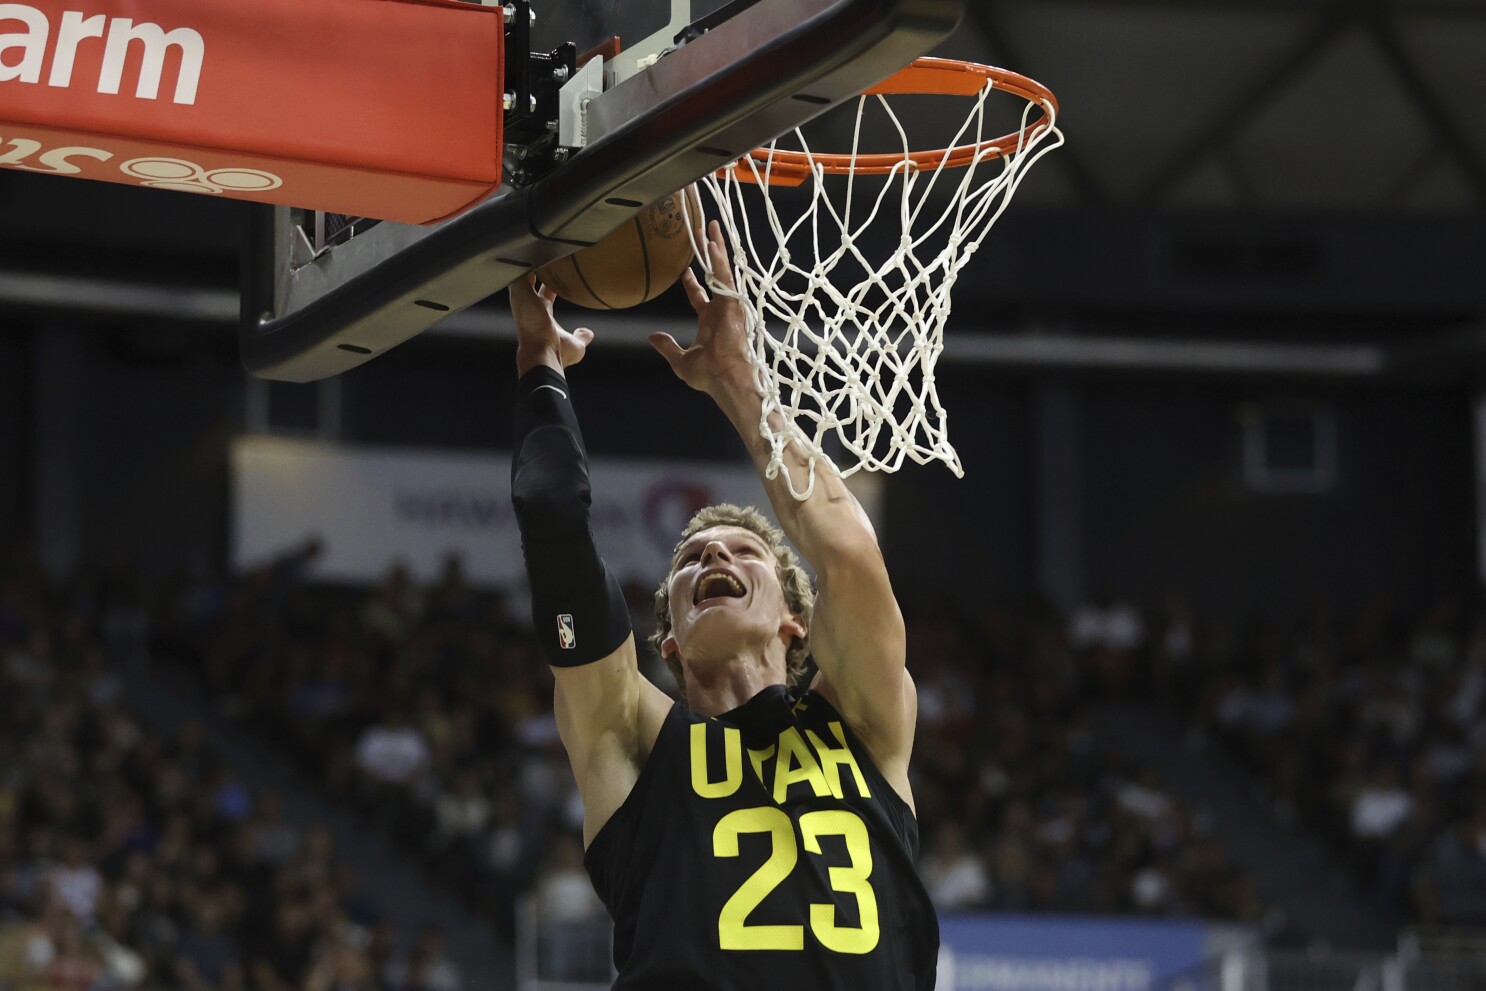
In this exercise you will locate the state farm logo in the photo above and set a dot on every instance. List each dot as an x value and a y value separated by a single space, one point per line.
23 54
175 174
187 177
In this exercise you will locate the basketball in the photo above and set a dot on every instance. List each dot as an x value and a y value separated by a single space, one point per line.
634 264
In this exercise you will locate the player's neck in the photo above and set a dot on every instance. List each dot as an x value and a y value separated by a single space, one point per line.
722 685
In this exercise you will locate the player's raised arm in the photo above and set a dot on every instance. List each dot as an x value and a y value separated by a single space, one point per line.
607 714
856 635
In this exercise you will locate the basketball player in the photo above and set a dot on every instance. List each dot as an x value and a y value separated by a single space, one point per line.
759 834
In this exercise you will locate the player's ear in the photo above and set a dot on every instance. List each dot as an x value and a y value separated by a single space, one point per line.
793 627
668 646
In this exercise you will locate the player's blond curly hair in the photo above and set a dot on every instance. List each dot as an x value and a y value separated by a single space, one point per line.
799 596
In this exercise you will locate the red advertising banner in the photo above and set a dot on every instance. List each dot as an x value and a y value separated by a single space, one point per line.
390 109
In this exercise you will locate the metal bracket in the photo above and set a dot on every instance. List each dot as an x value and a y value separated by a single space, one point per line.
573 100
533 80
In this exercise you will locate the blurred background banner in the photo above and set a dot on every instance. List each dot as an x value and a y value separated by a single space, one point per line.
374 506
1045 953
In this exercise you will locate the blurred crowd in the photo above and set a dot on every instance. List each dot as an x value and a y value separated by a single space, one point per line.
1024 810
136 857
429 708
132 857
1372 733
423 707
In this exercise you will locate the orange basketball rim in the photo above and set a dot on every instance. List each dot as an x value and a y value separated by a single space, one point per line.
926 77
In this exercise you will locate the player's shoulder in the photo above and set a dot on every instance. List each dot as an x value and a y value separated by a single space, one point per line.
822 689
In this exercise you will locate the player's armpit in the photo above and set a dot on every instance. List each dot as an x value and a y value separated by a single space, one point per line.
608 716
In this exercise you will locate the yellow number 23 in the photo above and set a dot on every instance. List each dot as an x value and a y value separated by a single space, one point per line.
732 925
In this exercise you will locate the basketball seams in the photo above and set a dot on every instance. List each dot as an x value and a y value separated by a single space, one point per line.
578 271
644 257
627 272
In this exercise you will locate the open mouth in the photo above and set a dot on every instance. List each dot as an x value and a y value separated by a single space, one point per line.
718 585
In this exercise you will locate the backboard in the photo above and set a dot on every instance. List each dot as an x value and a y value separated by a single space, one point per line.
696 84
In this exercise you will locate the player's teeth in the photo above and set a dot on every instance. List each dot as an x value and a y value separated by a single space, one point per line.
709 586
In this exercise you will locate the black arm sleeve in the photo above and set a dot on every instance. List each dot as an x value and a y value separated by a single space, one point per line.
578 609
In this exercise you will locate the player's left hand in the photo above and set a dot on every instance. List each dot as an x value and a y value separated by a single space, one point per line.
540 339
717 361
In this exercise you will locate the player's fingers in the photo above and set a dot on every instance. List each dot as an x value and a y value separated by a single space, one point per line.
715 238
523 287
717 254
575 348
522 297
695 291
668 348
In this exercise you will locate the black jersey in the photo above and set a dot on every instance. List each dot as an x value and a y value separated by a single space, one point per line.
762 849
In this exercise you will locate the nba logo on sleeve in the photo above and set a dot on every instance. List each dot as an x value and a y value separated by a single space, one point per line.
565 637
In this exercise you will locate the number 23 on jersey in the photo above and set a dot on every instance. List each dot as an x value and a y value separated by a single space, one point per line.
733 929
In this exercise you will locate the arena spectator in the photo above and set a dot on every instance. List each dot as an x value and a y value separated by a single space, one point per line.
1381 806
271 840
1450 879
395 607
57 956
208 958
75 882
567 908
954 874
279 957
425 968
1104 623
342 967
393 752
462 814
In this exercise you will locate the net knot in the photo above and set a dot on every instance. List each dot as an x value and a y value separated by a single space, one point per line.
715 286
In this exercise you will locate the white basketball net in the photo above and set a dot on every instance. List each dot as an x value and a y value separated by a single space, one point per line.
844 344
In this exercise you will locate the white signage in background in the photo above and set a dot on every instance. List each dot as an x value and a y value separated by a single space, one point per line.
375 506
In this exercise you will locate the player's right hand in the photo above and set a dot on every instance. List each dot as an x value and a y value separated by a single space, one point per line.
540 339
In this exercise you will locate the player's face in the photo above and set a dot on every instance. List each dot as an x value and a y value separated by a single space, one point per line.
726 596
